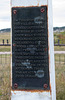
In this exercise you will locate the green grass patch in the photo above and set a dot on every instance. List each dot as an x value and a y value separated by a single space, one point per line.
5 48
59 36
59 48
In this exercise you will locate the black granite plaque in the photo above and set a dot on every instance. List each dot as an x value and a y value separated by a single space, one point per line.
30 63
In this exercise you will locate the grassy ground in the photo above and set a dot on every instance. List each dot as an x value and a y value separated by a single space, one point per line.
59 36
60 76
59 48
60 81
5 36
5 77
5 48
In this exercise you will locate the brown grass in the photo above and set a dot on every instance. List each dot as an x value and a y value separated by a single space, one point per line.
5 77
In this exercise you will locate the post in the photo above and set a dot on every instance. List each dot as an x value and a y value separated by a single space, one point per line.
3 41
58 42
7 41
33 71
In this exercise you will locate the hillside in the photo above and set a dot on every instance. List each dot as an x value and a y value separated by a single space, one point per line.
55 29
59 29
5 30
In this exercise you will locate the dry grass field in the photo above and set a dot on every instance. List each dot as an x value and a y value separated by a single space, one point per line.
60 76
59 36
5 36
5 65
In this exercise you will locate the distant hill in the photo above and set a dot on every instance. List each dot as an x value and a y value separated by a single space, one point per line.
59 29
55 29
5 30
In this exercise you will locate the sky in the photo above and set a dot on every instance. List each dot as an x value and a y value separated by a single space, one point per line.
58 13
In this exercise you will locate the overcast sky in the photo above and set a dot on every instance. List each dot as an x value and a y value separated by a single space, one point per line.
58 13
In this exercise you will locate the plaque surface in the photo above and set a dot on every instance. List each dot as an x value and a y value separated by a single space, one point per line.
30 63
